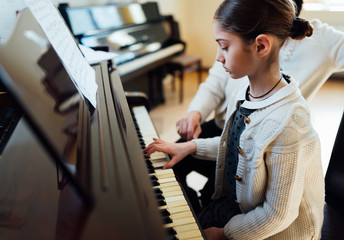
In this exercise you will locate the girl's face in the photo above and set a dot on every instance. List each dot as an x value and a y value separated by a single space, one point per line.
236 57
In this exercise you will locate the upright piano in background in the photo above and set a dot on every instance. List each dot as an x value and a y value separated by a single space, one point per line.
143 39
74 171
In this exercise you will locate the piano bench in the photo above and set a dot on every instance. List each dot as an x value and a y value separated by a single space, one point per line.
182 64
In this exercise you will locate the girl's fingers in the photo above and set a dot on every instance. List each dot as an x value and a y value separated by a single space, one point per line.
151 144
150 150
170 163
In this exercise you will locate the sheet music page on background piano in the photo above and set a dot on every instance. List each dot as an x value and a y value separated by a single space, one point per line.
82 74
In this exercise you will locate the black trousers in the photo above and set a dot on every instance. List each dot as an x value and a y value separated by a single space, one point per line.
204 167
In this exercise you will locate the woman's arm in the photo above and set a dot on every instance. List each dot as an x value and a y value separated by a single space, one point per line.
210 93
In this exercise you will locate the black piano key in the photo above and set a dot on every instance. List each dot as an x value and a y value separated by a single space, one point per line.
150 166
159 196
157 191
173 238
148 161
164 212
170 232
167 220
153 178
161 202
151 170
155 183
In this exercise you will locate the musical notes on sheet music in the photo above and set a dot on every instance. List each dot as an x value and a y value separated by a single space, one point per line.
65 46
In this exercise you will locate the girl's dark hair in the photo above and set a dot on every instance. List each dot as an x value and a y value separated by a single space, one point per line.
250 18
298 4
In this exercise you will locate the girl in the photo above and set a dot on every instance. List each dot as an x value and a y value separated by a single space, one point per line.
269 181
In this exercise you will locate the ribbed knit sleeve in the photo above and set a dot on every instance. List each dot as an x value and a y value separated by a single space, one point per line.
206 148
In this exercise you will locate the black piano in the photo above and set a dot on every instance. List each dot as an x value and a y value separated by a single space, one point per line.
143 39
71 170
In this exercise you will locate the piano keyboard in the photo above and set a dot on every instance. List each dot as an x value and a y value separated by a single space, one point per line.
9 118
178 218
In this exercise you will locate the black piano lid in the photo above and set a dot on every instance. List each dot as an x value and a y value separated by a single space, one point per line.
130 30
30 70
95 18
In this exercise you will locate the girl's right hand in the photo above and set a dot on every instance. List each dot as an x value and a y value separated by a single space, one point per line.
177 151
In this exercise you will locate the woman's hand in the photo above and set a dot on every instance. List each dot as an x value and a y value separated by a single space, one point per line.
215 233
177 151
189 127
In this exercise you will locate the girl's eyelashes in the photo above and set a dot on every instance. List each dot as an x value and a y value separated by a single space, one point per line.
224 47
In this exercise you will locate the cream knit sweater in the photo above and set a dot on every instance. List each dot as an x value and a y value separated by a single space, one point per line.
281 194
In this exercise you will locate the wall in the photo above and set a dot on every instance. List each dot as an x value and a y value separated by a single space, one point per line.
8 13
195 22
333 15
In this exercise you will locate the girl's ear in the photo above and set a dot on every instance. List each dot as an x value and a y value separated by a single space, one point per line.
263 45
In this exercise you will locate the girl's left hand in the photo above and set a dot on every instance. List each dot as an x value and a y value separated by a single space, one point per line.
215 233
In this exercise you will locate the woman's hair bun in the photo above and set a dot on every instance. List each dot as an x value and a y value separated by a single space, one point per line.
301 28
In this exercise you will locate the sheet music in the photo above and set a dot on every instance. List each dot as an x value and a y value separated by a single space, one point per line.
82 74
93 56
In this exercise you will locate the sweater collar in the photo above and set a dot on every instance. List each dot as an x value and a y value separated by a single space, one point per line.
280 94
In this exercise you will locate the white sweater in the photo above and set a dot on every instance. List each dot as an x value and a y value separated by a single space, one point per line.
281 194
310 61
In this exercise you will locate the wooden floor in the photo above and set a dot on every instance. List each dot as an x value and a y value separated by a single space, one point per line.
326 108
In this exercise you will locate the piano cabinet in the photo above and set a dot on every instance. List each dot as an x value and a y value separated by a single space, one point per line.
109 193
72 170
143 39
